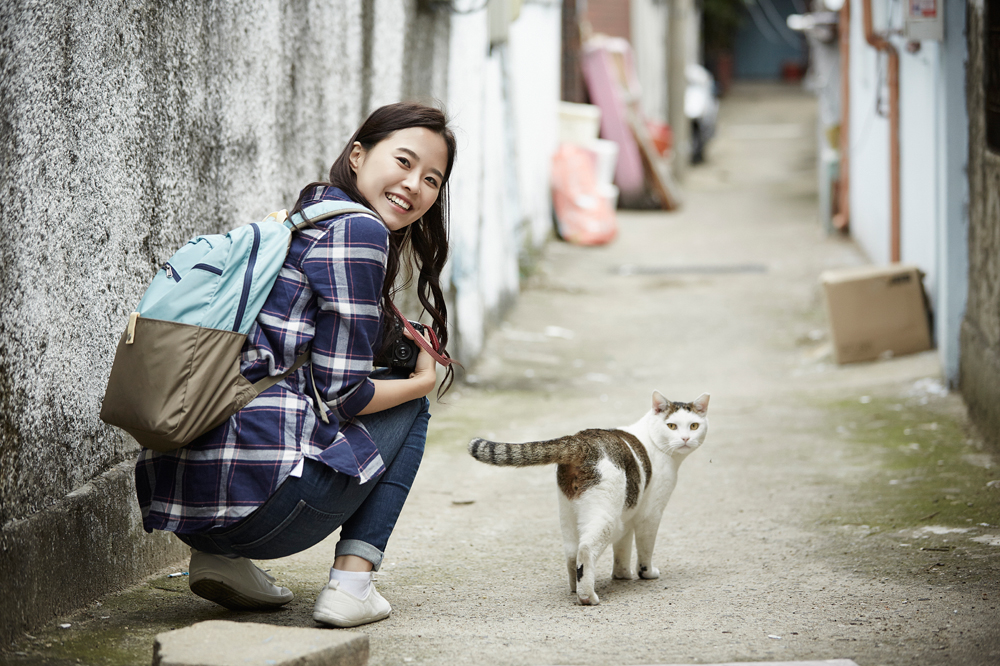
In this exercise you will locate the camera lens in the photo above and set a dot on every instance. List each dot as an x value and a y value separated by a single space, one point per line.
403 352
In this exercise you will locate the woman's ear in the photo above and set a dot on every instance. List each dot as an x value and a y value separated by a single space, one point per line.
357 156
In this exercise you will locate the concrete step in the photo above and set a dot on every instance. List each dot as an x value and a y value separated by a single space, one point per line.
224 643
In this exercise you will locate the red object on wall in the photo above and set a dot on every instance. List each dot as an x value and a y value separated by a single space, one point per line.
662 136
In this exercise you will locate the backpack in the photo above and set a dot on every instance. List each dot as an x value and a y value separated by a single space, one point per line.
176 372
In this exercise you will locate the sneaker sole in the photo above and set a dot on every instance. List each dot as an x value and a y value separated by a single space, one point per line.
344 624
220 593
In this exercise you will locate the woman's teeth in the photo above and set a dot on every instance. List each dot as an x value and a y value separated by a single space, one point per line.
399 202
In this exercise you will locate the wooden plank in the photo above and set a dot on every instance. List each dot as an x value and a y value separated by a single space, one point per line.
657 167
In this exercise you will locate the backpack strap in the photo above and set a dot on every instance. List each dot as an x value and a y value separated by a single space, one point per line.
269 381
323 210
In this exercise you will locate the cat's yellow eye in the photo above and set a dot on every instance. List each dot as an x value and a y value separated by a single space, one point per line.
672 426
694 426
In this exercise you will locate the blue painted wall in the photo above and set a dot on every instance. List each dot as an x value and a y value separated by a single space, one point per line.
764 42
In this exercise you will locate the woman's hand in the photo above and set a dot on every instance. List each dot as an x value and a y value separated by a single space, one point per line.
392 392
426 365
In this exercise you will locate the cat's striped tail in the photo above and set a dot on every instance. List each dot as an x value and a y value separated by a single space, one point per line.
562 450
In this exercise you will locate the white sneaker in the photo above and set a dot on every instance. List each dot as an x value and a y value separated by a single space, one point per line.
235 583
340 608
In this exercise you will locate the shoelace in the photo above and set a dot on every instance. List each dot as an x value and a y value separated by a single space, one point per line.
268 576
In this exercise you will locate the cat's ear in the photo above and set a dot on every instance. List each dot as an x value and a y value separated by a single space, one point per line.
660 403
701 404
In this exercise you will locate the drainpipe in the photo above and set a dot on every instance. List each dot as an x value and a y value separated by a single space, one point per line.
882 44
842 219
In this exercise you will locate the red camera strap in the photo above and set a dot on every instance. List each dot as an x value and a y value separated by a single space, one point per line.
431 347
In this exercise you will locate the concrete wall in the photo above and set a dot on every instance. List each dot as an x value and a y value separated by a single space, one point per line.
650 42
128 127
933 162
504 99
980 354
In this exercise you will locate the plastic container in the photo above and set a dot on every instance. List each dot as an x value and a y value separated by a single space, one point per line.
609 193
578 123
607 159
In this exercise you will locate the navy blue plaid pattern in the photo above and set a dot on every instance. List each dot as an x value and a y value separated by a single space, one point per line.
326 298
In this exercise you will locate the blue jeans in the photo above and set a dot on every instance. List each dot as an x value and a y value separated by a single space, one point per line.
307 509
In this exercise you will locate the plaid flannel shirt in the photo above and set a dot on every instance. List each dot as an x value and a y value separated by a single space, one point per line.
326 298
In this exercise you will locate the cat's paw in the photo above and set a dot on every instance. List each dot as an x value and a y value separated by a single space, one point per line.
592 600
622 574
649 573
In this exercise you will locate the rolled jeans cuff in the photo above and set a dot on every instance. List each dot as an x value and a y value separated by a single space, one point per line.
361 549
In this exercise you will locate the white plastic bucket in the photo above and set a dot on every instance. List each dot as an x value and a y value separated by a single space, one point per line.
578 123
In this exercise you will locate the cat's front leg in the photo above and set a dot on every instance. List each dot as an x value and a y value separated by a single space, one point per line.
623 557
645 539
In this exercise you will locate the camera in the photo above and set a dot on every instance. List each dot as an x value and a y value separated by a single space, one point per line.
401 353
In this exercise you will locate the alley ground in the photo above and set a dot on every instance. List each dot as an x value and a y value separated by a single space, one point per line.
833 512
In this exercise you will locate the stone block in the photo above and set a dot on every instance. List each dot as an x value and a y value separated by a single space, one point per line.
225 643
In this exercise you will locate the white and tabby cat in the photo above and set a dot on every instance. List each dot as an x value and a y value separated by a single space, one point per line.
614 484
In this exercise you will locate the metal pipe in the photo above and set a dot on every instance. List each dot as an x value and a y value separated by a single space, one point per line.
842 219
882 44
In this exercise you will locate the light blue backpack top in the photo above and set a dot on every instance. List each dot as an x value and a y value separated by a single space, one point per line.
222 280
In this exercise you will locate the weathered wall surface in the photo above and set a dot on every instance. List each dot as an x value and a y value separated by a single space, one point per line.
504 100
125 128
980 348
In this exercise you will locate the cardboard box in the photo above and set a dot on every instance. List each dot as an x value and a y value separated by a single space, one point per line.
876 311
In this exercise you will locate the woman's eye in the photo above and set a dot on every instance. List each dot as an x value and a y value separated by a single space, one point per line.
432 182
672 426
694 426
402 160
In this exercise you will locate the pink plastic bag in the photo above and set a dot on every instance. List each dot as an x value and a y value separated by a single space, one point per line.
583 214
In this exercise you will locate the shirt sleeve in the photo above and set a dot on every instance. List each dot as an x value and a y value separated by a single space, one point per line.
346 268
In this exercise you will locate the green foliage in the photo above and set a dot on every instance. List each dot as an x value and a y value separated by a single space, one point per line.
719 23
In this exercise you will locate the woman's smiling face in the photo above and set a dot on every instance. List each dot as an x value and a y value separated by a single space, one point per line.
401 175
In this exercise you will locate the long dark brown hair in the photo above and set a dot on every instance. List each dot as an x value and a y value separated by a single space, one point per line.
426 240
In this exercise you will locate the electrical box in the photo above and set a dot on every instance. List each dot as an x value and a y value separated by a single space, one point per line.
925 19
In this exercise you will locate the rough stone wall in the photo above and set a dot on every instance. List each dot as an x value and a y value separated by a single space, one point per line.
980 339
126 127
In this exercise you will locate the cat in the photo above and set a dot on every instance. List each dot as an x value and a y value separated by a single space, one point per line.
614 485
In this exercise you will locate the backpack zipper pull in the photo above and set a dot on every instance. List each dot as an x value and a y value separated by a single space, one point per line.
130 331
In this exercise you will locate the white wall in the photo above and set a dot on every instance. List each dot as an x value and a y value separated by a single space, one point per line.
649 23
933 139
869 145
535 55
504 103
919 156
869 140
